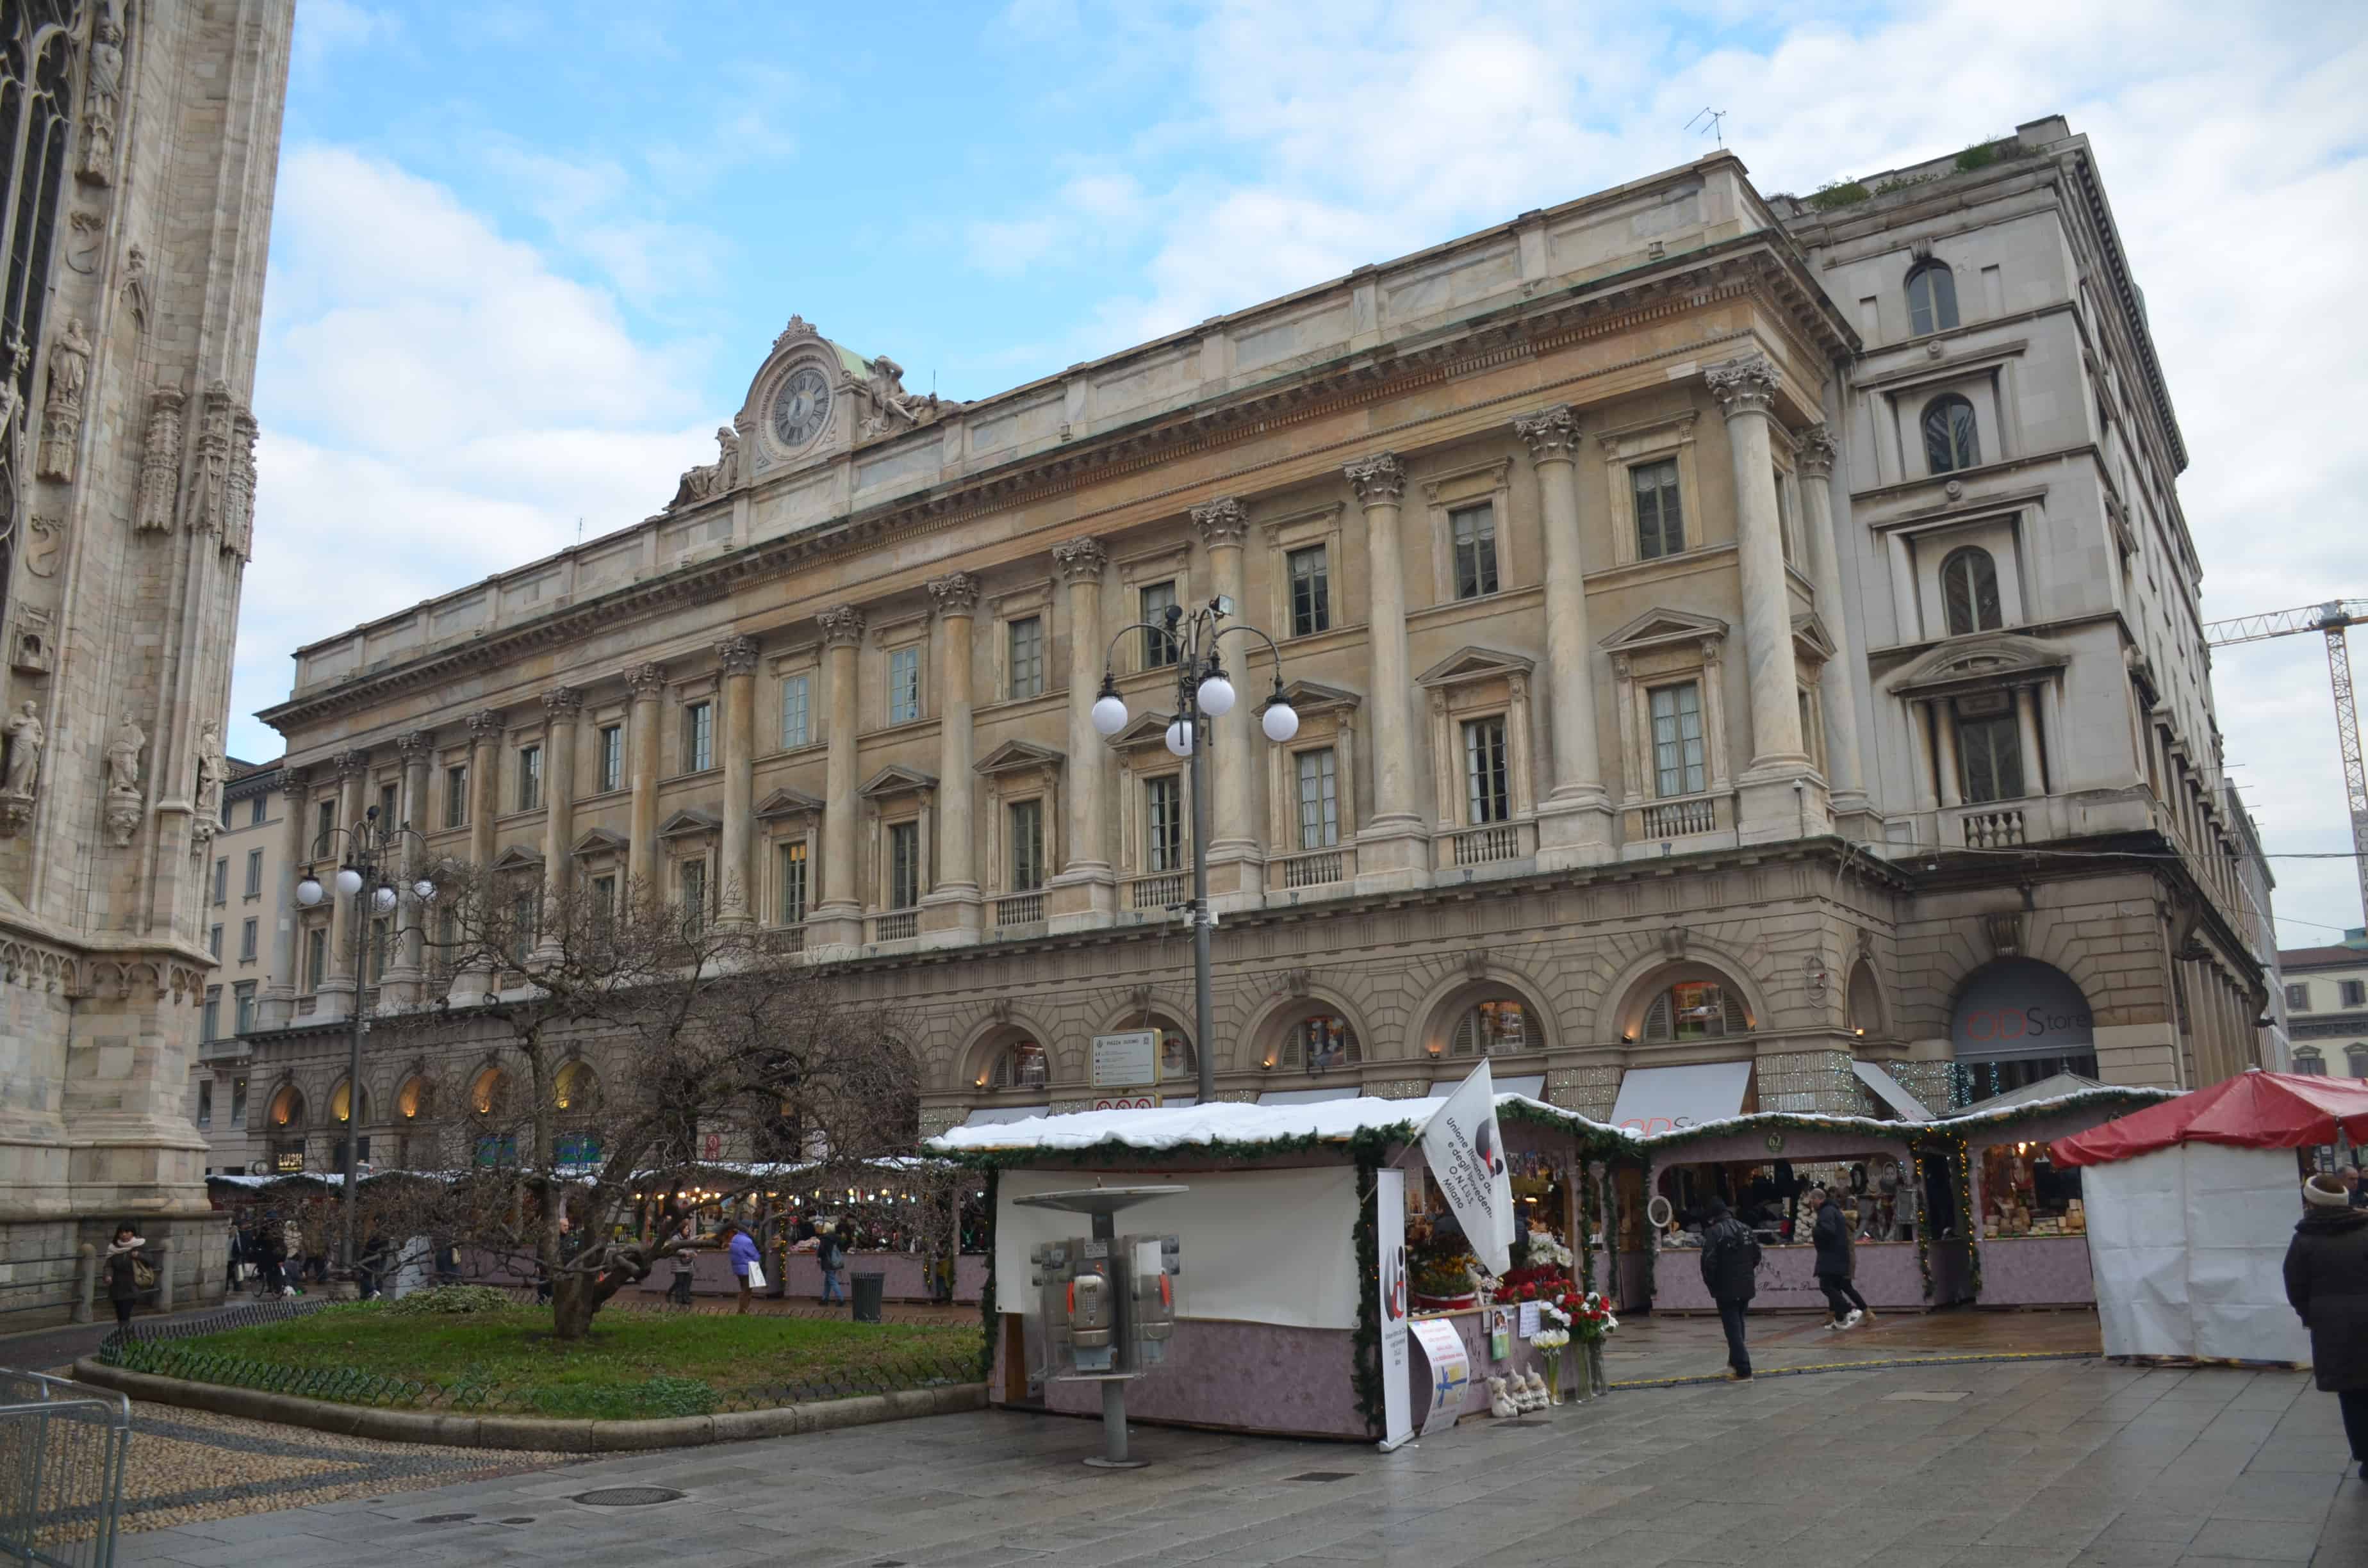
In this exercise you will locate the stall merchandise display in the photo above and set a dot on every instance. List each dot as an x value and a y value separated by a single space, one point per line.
2029 1195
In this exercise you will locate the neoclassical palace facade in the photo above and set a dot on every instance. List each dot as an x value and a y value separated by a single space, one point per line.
1723 629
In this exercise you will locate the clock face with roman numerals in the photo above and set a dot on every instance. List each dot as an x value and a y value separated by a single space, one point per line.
801 407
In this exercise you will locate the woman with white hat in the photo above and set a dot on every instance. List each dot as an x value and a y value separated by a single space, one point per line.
2327 1280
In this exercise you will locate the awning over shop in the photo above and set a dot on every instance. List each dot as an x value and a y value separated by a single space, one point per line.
995 1116
1531 1085
1307 1097
1886 1089
1664 1099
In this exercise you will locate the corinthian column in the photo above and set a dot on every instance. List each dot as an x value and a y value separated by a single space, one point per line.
339 988
648 683
950 914
1391 849
472 983
1086 893
837 919
295 848
561 705
736 890
1575 819
404 976
1838 685
1771 808
1236 857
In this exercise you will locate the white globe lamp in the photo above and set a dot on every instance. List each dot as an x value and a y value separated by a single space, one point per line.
1216 697
349 881
308 892
1280 721
1110 714
382 899
1180 738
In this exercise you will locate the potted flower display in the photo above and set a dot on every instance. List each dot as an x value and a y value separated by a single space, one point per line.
1443 1281
1591 1322
1550 1342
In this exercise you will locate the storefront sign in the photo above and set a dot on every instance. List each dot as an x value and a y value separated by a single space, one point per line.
2020 1008
1125 1102
1126 1060
1450 1372
1465 1151
1389 1239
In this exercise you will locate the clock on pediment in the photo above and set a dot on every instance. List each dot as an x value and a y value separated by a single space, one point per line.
800 408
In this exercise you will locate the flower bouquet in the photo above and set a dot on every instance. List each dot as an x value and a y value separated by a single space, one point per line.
1444 1281
1551 1341
1591 1322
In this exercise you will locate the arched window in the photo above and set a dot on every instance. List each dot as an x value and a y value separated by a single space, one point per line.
288 1108
416 1101
338 1098
2307 1061
1022 1064
1320 1042
2355 1057
576 1087
490 1092
1695 1009
1498 1027
1950 440
37 72
1865 1003
1969 592
1931 298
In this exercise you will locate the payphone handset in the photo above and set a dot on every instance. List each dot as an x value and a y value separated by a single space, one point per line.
1091 1307
1152 1267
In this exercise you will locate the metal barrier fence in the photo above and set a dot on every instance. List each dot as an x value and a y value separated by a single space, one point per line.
61 1447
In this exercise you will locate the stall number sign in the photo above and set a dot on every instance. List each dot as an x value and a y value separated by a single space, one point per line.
1126 1060
1126 1102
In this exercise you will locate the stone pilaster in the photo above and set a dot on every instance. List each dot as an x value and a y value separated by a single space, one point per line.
486 728
950 912
648 683
278 1001
1837 687
339 987
837 919
406 972
1086 893
561 705
1393 851
736 658
1237 852
1575 819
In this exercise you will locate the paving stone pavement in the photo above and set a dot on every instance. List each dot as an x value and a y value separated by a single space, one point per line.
2018 1465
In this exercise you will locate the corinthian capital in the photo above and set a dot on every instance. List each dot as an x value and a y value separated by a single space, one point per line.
1222 521
956 593
1552 433
842 627
416 745
1081 560
485 723
647 681
737 656
1742 385
1816 452
563 702
1377 479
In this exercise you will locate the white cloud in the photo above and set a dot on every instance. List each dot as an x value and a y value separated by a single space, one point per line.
329 27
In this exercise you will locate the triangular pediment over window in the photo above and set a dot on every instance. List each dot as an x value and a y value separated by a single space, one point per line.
1969 663
1811 641
1471 664
518 857
1146 729
898 779
690 824
1018 757
1310 698
600 841
787 803
1657 628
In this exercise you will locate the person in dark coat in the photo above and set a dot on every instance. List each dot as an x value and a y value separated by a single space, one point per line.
1730 1265
1835 1265
2327 1281
122 1266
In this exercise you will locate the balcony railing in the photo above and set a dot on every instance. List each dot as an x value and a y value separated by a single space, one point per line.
1998 829
1018 909
225 1048
902 925
1675 819
1153 893
1313 870
1485 846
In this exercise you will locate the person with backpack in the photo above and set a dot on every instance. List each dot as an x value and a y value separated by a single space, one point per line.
128 1274
830 1251
1834 1264
1730 1268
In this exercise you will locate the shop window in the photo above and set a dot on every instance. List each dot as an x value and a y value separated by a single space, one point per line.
1950 439
1159 649
1660 516
904 683
1311 590
2025 1193
575 1089
1177 1062
1969 591
1488 786
497 1148
1319 1043
1025 645
1474 529
797 712
1024 824
1679 760
1500 1027
698 737
1319 799
1022 1064
610 772
1695 1009
287 1112
530 777
2310 1063
1163 813
1989 750
1931 298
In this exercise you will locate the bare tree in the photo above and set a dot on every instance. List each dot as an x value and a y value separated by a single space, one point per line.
635 1049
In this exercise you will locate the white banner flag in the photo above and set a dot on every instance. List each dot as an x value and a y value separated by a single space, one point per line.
1389 1235
1466 1156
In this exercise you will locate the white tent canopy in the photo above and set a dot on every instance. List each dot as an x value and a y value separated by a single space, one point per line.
2189 1244
1664 1099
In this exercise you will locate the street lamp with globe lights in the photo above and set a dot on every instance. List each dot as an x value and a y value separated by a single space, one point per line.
364 875
1202 691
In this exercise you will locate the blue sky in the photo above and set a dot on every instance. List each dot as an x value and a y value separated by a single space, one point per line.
526 256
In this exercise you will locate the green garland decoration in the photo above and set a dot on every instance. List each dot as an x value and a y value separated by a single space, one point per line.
1923 1226
1365 1345
1586 1227
991 1328
2120 1101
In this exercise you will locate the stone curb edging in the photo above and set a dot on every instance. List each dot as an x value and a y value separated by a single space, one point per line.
543 1434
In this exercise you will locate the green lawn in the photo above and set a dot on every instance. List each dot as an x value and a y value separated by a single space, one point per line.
635 1364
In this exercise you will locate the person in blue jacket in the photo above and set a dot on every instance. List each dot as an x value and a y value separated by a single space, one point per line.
743 1254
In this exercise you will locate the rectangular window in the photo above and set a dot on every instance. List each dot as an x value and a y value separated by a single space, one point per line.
526 923
382 937
238 1102
242 1005
247 934
1660 518
797 712
1163 811
1487 783
698 738
794 882
1677 742
317 956
1027 649
456 795
1992 753
904 684
608 772
1784 517
210 1022
904 865
1311 590
255 873
1026 820
1158 649
603 905
325 829
530 777
255 810
2298 998
221 879
225 811
690 880
1475 531
1319 799
213 942
448 938
2355 993
205 1102
390 802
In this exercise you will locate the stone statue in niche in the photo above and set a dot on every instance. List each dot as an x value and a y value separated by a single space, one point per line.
103 100
61 413
123 782
11 403
160 464
213 461
135 285
208 801
26 738
238 489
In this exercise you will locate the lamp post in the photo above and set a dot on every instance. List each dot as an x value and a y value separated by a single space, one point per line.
362 876
1202 691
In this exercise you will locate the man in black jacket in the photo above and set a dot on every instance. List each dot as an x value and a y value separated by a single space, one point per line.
1730 1264
2327 1280
1835 1265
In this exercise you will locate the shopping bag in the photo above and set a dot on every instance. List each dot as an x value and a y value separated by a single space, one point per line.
755 1275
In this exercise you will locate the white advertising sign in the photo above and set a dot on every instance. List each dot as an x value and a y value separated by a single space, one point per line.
1389 1238
1126 1060
1450 1372
1125 1102
1467 1154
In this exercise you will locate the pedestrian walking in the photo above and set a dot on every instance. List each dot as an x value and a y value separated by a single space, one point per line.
233 1280
1836 1264
271 1251
743 1258
2327 1281
830 1252
2350 1177
124 1272
686 1266
1730 1267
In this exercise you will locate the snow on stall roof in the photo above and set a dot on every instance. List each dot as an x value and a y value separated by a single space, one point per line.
1187 1127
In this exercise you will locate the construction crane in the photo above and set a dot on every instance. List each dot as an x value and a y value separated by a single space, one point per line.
2328 619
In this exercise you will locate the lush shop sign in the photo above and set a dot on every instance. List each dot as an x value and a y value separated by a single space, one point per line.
2020 1007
